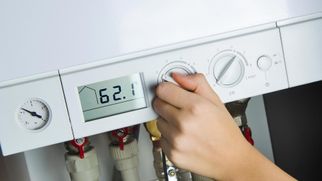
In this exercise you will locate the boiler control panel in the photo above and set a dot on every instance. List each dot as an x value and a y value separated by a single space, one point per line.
105 95
238 67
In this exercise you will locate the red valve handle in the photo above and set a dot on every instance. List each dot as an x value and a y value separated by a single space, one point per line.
80 144
120 134
248 134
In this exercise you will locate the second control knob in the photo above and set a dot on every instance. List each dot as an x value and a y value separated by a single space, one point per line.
228 68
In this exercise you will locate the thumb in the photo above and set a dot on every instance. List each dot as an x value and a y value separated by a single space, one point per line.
198 84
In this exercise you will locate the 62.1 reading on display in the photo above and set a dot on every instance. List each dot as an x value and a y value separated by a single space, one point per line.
111 97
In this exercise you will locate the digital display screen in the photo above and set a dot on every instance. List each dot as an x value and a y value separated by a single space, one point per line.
112 97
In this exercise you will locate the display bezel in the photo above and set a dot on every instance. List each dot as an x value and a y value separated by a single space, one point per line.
144 92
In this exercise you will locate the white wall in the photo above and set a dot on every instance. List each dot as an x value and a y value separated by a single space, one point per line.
41 35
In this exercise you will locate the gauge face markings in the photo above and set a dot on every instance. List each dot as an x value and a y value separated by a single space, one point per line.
34 114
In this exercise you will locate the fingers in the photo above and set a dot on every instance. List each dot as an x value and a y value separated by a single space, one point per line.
165 110
166 147
167 129
174 95
170 151
163 127
198 84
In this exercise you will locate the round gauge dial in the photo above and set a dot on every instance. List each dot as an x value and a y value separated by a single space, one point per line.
34 114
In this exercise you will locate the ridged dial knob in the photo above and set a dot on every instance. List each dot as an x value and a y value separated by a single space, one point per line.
228 68
178 67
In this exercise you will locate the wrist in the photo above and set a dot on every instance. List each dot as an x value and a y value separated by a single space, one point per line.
252 165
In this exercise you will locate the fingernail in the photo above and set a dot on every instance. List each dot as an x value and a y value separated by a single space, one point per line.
178 73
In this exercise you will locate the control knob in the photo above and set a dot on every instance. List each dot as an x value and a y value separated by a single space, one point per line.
228 68
178 67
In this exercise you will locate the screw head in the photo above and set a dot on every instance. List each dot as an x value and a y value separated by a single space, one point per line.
171 172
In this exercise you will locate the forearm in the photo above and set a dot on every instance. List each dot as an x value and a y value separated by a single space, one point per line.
253 166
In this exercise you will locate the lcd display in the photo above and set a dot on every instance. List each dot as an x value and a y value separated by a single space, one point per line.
112 97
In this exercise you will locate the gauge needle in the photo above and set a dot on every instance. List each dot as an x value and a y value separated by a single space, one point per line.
32 113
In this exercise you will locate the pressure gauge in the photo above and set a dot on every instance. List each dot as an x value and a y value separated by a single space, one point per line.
34 114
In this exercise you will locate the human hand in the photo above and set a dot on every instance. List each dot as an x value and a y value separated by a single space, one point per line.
198 133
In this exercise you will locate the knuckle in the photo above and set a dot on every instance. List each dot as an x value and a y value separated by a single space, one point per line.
180 121
176 143
200 76
156 103
161 88
196 108
176 157
173 155
181 143
159 125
